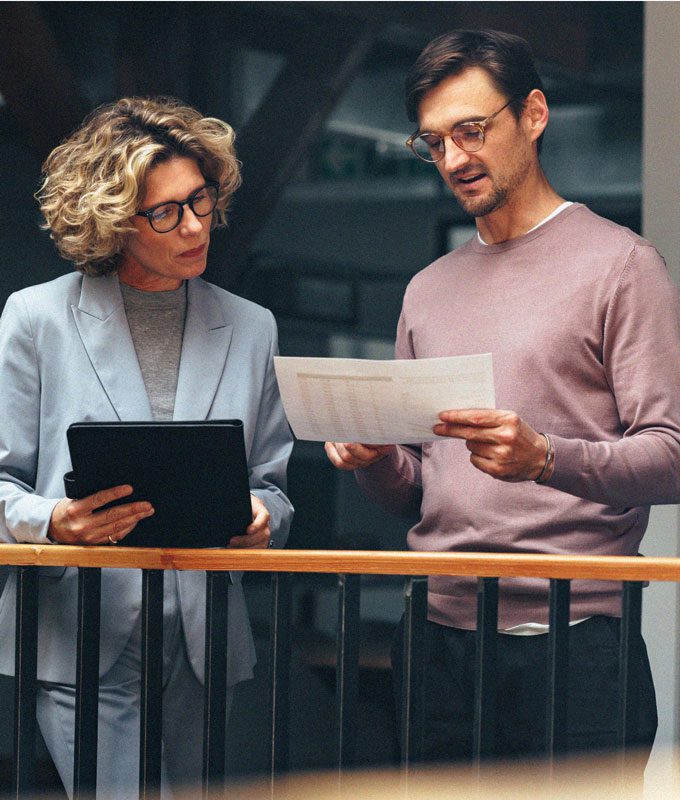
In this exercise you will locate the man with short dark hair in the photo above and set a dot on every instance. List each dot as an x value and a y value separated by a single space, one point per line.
583 322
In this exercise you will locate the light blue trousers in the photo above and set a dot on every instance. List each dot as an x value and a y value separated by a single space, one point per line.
119 703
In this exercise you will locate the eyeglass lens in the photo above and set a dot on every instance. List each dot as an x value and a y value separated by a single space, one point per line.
167 217
430 147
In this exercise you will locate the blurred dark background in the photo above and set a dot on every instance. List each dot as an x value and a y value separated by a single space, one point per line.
334 217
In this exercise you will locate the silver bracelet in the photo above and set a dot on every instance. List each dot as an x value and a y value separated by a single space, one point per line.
550 454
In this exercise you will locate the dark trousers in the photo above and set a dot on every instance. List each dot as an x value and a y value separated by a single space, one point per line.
521 691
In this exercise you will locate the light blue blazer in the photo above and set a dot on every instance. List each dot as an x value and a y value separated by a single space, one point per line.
66 355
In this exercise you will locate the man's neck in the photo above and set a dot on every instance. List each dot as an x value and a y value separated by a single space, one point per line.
529 204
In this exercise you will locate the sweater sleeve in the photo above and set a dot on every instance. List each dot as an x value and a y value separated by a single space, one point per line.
394 483
641 358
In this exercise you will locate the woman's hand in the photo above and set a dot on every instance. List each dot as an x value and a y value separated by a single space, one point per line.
257 533
352 455
79 522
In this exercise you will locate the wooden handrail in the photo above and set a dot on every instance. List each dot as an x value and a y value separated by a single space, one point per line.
366 562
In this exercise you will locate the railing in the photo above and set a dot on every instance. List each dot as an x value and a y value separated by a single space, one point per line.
348 565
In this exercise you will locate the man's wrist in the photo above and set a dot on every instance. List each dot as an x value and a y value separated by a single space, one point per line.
548 466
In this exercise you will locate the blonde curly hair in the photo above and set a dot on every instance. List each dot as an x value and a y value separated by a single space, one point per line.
95 180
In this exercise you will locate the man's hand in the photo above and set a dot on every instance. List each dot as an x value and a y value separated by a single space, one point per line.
79 521
500 442
257 533
348 456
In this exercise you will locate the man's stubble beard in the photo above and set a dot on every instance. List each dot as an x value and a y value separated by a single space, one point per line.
502 190
480 207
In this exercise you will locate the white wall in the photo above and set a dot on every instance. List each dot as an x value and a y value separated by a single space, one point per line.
660 223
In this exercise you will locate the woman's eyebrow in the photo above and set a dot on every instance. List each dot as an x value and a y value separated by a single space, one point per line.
163 202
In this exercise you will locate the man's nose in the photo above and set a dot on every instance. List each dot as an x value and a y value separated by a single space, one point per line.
454 157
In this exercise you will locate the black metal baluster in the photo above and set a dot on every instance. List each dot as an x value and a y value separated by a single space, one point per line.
87 682
25 683
631 622
484 733
152 683
347 667
215 692
413 670
279 671
558 667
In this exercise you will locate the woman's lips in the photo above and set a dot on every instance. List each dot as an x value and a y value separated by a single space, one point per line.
196 251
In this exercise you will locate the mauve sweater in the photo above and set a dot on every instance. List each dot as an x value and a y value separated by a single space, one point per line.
583 323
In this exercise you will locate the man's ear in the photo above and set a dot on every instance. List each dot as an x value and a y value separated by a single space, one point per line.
535 114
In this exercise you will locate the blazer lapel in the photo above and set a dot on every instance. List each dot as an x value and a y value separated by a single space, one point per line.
105 333
207 337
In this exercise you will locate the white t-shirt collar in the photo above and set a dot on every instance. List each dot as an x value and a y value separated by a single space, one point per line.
554 213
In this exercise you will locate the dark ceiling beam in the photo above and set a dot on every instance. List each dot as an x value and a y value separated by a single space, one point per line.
558 32
153 49
39 88
289 119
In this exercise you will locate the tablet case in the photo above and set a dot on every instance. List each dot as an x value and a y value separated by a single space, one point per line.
193 473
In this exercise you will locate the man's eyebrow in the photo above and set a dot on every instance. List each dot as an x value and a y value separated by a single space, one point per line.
465 120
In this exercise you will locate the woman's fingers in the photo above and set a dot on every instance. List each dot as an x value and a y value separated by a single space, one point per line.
78 521
99 499
119 527
259 539
260 516
258 533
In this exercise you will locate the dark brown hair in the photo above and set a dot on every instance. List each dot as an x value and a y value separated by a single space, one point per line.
506 58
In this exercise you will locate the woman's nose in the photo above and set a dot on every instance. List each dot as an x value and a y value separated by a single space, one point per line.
190 222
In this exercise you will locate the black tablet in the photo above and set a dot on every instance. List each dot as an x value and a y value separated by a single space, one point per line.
193 473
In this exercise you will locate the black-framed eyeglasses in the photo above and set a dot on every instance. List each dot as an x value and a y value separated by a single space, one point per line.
469 136
165 217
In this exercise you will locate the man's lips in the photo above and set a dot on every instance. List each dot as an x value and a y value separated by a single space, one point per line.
469 179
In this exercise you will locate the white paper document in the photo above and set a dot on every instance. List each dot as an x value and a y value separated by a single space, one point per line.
379 402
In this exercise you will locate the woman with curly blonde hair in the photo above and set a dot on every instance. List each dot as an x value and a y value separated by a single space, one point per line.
94 180
134 333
